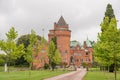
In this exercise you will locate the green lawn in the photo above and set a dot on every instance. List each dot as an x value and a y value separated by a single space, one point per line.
35 75
100 75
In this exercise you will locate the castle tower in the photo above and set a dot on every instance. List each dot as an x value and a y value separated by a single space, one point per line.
63 34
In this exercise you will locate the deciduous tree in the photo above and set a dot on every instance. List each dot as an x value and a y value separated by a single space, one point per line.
107 49
53 55
30 48
9 46
25 40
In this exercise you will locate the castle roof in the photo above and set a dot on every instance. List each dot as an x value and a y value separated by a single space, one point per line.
74 44
88 43
61 22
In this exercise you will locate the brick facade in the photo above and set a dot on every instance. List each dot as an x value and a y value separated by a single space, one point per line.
81 54
40 58
71 51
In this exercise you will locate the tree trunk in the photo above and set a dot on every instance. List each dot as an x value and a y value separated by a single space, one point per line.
6 69
115 68
30 71
52 68
87 68
115 72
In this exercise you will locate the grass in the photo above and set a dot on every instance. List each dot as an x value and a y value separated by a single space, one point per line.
100 75
35 75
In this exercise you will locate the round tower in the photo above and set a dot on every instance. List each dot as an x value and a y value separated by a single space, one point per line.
63 34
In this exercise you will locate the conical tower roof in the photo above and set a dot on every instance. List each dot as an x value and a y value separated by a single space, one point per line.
61 22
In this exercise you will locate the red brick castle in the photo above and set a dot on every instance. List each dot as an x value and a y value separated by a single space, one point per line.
71 51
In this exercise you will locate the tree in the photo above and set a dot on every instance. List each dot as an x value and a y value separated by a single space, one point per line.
107 49
53 55
30 48
100 51
109 12
54 39
104 26
3 61
10 48
25 40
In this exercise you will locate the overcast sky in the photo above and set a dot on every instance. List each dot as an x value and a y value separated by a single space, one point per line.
83 16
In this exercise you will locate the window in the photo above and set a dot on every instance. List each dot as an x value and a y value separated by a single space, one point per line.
66 51
77 60
86 51
89 60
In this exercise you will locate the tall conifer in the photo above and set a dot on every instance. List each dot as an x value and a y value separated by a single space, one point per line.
109 12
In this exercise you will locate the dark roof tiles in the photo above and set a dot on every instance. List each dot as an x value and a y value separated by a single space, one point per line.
61 22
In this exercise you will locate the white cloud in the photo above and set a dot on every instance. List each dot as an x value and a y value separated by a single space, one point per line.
83 16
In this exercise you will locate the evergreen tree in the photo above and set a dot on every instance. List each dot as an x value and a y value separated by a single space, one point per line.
109 12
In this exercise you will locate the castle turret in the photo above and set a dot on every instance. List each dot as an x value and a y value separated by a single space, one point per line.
63 34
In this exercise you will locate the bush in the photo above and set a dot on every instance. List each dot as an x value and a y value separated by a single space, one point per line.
46 66
84 64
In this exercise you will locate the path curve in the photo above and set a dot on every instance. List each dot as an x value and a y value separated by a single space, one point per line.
75 75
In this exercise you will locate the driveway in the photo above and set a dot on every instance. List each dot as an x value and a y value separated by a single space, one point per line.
75 75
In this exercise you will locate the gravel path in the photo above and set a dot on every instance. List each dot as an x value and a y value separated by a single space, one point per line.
75 75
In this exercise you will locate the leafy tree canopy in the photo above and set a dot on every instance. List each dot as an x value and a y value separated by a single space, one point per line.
25 39
53 55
